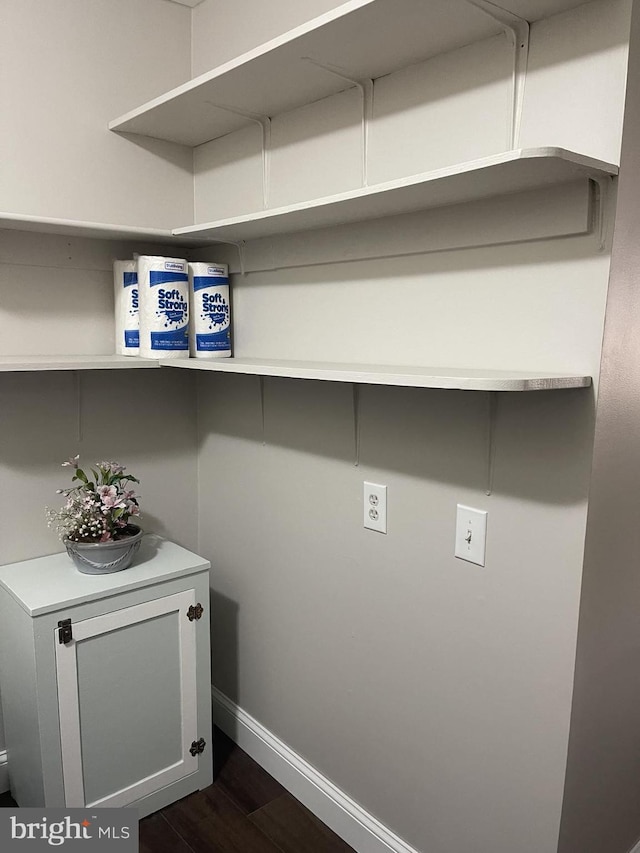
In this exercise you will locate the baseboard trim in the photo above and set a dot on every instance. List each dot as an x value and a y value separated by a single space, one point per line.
4 772
332 806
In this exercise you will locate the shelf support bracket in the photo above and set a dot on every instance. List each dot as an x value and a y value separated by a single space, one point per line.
603 184
492 414
356 423
241 256
366 90
261 380
517 31
240 246
265 124
77 384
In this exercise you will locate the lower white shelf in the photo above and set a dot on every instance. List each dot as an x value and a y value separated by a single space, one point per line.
15 363
464 379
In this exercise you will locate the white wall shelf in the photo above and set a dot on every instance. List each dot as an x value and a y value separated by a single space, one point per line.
368 374
94 230
508 172
363 39
464 379
31 363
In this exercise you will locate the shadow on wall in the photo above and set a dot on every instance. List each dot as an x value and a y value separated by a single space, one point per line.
502 253
178 155
224 645
542 440
144 419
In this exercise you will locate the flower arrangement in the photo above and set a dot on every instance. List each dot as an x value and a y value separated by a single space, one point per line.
96 510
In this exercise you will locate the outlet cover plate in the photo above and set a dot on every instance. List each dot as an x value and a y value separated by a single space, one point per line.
471 534
375 507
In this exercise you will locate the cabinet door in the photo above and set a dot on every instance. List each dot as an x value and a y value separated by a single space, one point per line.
127 702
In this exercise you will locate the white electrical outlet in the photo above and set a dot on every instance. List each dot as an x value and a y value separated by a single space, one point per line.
375 507
471 534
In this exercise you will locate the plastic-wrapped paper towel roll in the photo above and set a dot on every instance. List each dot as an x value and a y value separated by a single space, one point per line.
210 335
125 283
164 307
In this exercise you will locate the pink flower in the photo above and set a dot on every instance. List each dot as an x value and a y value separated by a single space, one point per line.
94 512
112 467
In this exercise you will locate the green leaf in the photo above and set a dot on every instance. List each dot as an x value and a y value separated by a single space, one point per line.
80 475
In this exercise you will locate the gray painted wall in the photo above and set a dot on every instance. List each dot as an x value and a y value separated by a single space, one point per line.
376 658
68 69
436 693
385 662
56 295
601 808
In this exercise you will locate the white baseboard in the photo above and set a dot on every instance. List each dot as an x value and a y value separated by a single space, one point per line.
332 806
4 772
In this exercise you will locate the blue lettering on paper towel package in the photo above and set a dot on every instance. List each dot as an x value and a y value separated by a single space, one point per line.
164 307
211 310
127 317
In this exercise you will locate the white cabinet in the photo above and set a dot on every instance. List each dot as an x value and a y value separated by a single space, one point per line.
106 680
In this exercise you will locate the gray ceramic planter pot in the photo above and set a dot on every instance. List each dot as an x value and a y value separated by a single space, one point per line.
102 558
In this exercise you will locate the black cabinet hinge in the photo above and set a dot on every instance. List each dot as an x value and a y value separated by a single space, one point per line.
195 612
65 633
197 747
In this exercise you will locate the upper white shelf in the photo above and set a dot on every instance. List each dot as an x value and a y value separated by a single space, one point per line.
31 363
361 39
511 171
463 379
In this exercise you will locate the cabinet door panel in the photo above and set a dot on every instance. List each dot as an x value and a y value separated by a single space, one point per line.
127 701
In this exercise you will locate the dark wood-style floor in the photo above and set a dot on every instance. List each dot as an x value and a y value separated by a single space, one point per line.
244 811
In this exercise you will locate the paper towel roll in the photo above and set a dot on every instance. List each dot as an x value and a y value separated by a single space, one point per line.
127 317
163 285
210 335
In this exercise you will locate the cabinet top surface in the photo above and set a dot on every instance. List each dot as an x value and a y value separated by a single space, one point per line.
47 584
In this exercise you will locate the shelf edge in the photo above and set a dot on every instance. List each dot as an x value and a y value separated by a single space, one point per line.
397 378
572 158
